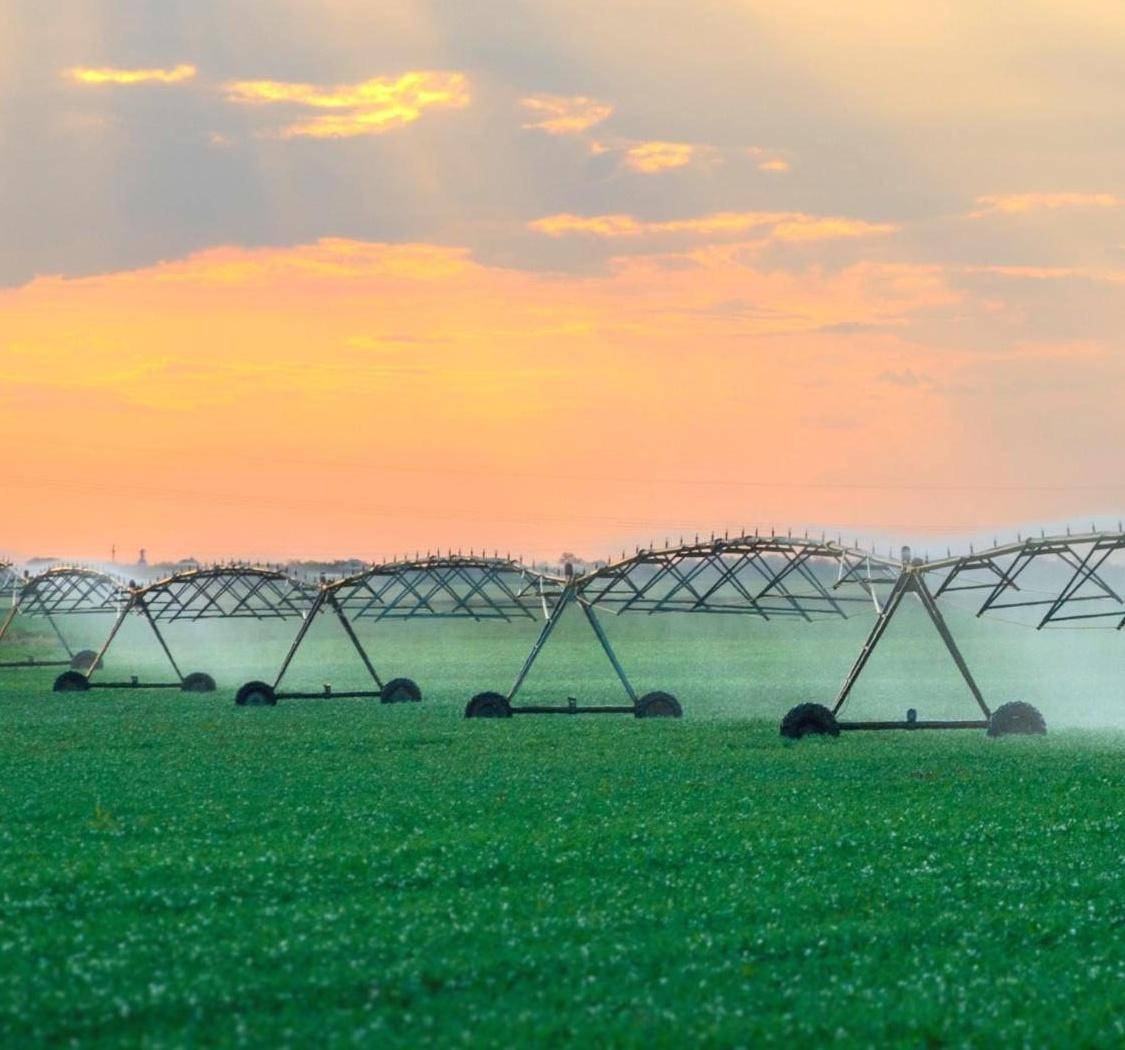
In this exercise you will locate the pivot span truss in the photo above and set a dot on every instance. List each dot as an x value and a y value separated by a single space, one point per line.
1069 580
62 591
766 577
1062 580
452 586
219 592
1058 581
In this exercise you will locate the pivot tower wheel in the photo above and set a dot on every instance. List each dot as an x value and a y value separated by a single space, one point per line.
256 694
85 660
488 705
809 720
198 682
71 682
1015 718
400 691
658 705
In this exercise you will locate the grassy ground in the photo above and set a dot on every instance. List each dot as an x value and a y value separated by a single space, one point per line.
174 869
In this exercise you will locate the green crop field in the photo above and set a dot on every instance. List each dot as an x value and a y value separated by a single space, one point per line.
176 870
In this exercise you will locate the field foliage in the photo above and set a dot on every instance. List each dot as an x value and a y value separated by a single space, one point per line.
175 870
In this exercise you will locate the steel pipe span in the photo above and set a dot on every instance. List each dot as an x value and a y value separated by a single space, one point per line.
809 579
1068 579
450 586
55 594
223 592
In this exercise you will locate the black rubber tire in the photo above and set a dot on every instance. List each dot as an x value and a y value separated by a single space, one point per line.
83 660
256 694
198 682
71 682
488 705
400 691
809 720
658 705
1015 718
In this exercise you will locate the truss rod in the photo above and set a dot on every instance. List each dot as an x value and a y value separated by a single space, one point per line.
545 632
354 638
59 635
595 623
306 623
159 637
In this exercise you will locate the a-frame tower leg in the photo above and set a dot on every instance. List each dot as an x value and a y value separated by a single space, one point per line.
120 619
910 582
569 595
326 597
545 632
306 623
354 639
603 639
59 635
939 623
11 615
160 638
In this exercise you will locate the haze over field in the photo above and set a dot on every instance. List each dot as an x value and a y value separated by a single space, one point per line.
334 277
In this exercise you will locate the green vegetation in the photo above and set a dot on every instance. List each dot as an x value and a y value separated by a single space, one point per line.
174 869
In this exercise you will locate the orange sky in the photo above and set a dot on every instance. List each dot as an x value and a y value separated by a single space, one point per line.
683 328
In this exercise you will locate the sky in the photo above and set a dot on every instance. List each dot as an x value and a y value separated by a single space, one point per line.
336 278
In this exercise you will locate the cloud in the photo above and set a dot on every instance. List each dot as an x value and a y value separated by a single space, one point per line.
768 160
1100 275
1024 203
108 75
651 157
565 114
577 114
310 307
622 225
783 226
367 108
903 377
449 348
812 228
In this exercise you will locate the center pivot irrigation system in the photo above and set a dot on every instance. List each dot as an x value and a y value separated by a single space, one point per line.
1068 580
769 577
57 593
1058 580
221 592
451 586
1052 581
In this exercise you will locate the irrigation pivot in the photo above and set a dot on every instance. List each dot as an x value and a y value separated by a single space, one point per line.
767 577
1057 579
219 592
1054 580
59 592
452 586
